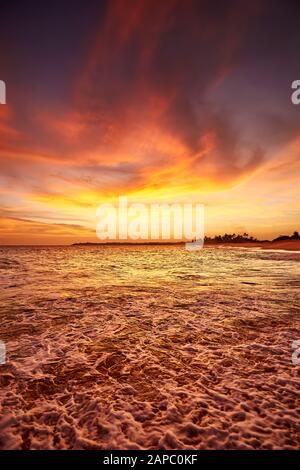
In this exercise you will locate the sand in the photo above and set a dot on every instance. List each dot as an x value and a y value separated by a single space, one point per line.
289 245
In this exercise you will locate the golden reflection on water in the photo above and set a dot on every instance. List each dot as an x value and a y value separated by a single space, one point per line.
148 347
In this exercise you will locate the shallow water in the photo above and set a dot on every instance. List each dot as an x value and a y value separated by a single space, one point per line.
149 347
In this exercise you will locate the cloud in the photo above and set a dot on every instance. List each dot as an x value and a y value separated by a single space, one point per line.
165 101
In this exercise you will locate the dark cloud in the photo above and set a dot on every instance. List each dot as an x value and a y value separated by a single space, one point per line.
138 92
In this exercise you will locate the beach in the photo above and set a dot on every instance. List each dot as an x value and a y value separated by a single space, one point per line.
288 245
149 348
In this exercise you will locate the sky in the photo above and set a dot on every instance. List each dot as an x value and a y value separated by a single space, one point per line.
173 101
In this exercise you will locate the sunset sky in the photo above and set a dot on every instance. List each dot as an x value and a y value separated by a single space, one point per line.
157 100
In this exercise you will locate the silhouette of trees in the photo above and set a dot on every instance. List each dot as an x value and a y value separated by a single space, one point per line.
295 236
230 238
237 238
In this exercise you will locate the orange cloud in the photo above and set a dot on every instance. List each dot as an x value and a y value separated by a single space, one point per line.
146 115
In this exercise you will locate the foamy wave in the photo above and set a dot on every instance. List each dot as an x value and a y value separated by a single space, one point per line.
113 348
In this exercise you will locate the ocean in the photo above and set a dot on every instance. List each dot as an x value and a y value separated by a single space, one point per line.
140 347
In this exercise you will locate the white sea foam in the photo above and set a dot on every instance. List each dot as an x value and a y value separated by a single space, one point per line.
147 347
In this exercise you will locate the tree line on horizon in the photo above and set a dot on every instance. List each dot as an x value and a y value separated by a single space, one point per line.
238 238
226 238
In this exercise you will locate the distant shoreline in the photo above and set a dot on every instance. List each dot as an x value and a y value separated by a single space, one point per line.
286 245
126 243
